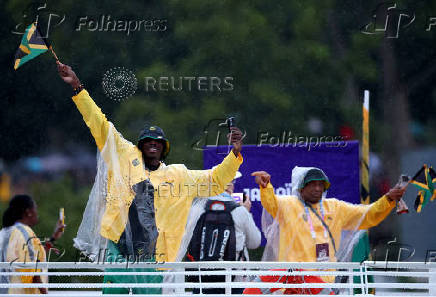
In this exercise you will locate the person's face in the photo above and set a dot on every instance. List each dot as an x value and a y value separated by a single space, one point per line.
230 188
313 190
32 216
152 148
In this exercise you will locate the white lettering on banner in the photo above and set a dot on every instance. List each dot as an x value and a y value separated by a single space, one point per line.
288 189
254 194
280 191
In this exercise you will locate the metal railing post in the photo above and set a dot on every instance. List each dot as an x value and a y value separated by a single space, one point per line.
180 279
351 281
228 280
432 280
362 285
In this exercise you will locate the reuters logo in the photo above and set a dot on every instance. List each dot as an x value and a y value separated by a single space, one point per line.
119 83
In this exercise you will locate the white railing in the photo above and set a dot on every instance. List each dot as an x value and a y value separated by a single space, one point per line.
390 279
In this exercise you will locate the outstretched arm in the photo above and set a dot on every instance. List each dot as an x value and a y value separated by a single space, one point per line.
58 232
367 216
213 182
92 114
267 196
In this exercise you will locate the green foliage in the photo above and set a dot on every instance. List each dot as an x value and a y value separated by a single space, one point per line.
50 196
290 61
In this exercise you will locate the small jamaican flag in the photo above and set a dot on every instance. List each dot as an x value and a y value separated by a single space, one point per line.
32 45
425 181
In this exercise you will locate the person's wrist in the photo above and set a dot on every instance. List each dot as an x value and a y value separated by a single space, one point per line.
76 83
389 198
78 89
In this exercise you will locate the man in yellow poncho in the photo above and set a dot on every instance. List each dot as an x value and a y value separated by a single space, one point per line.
146 202
310 226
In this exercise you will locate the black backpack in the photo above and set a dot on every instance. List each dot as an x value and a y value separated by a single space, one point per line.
214 237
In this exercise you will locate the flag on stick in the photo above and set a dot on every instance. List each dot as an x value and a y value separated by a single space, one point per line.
361 251
32 45
364 166
425 181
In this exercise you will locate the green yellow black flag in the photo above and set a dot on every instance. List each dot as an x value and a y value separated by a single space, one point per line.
364 163
32 45
425 181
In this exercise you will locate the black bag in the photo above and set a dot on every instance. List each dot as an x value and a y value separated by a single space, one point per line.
213 239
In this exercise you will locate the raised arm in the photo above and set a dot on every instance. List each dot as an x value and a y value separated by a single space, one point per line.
213 182
267 196
367 216
92 114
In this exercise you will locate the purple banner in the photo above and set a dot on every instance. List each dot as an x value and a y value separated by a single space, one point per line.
339 160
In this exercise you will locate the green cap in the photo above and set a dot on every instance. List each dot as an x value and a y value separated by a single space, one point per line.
315 174
155 132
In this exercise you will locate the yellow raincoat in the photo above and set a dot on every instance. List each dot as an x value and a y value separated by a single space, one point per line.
175 186
296 243
24 246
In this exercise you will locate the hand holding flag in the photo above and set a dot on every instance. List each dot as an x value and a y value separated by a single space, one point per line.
395 194
401 205
68 75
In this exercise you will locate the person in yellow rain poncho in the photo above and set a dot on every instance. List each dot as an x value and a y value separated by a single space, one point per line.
139 205
310 227
18 243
